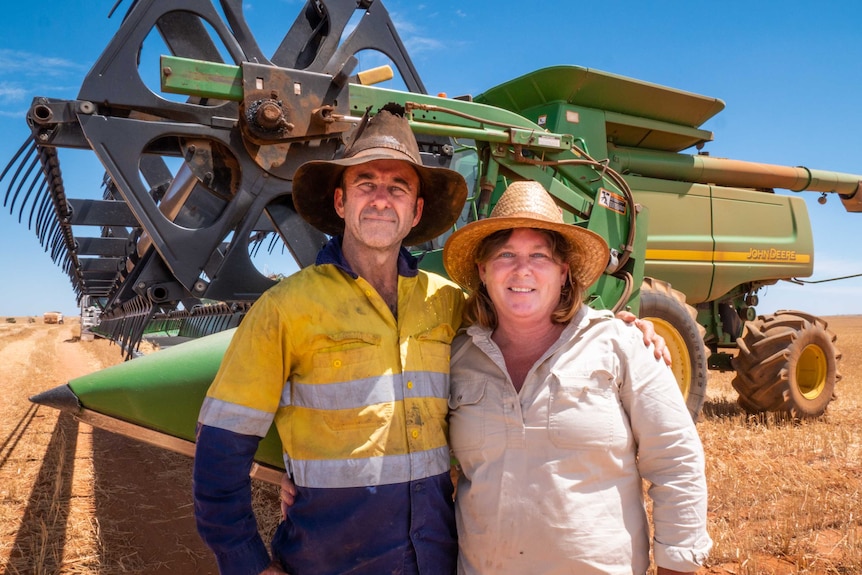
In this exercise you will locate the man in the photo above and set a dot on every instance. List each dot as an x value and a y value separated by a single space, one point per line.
350 358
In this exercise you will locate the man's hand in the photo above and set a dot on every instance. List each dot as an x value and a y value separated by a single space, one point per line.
650 336
287 494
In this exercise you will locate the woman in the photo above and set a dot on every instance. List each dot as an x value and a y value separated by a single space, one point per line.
557 412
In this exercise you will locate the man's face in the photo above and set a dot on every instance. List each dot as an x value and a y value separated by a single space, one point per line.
379 202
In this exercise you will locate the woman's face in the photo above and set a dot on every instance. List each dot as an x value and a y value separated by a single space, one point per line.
522 277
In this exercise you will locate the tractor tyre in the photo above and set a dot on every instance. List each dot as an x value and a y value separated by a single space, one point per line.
787 362
676 322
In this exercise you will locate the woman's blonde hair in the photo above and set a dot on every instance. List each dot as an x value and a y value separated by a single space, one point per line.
480 309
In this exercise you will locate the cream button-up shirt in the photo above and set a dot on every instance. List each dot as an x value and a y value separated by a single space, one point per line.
552 476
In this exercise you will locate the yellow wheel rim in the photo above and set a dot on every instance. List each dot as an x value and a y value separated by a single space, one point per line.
680 358
811 372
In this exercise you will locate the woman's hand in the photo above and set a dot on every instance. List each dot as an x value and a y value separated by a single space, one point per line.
287 494
650 336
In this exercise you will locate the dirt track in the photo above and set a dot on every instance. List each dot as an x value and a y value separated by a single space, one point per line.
75 499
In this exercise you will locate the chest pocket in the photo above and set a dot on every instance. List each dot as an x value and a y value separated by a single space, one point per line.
584 410
467 415
434 348
347 356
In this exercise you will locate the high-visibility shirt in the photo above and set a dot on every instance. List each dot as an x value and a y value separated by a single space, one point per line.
359 399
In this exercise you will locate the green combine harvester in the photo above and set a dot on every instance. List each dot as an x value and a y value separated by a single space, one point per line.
198 178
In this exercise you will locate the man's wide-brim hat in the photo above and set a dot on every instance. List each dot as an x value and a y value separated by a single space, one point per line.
525 204
384 136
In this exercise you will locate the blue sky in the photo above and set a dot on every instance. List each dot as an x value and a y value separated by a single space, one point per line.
788 71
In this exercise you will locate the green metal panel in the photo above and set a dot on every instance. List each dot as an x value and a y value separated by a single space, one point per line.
586 124
632 102
164 390
759 237
608 290
625 130
707 240
679 246
597 89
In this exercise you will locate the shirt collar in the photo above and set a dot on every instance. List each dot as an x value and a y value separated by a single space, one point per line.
331 253
579 321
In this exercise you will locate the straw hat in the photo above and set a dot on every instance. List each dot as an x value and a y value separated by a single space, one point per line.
525 204
385 136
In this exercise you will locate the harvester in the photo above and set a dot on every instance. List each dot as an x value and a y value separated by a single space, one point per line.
198 169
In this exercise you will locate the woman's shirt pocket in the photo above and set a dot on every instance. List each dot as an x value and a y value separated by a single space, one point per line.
467 414
584 410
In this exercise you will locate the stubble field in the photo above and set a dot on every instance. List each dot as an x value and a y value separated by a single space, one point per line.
784 496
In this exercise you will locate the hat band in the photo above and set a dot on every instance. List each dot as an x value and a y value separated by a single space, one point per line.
531 216
381 151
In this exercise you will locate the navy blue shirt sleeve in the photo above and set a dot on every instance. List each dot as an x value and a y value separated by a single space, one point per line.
222 497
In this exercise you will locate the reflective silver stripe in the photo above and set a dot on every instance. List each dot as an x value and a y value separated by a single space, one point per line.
285 400
288 464
427 384
372 471
233 417
369 391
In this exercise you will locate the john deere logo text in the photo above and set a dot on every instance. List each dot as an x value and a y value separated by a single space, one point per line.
772 255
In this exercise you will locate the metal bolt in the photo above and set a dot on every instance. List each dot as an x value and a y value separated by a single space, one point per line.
269 114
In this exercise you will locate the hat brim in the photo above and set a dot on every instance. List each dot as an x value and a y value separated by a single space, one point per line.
444 192
589 251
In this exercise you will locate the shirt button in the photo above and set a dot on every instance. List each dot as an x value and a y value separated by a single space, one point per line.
368 293
409 385
415 433
336 363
